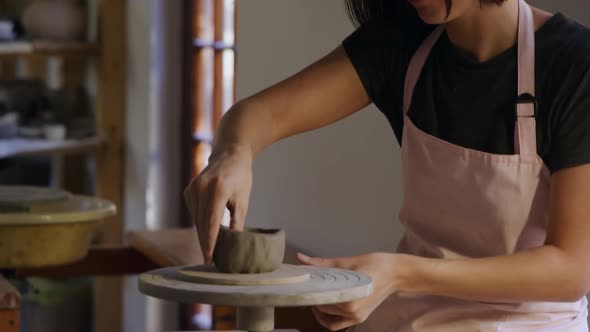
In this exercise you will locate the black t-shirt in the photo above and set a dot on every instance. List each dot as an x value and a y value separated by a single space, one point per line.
471 104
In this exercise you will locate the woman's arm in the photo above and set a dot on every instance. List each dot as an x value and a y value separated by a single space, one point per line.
558 271
321 94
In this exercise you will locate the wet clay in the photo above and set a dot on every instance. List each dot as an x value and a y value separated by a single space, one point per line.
253 250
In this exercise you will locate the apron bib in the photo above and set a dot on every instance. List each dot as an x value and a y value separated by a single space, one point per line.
461 203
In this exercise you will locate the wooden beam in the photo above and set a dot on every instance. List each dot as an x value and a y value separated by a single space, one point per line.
108 291
20 48
19 147
224 58
202 68
111 113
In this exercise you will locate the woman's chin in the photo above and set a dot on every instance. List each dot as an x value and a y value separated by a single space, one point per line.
431 12
432 18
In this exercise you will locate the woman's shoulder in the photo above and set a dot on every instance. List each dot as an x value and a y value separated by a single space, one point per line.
563 47
387 39
564 36
380 56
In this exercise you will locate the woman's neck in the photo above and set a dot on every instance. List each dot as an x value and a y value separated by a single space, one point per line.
486 31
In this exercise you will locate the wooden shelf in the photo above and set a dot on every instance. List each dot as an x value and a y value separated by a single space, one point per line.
16 147
30 48
101 260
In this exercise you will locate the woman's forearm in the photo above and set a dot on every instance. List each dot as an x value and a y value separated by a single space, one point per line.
321 94
246 127
541 274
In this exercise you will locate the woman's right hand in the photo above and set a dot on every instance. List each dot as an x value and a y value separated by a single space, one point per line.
225 182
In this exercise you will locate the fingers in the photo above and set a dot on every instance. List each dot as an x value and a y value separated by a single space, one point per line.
213 215
225 182
316 261
322 318
206 200
337 310
342 263
203 227
192 202
238 212
333 322
188 201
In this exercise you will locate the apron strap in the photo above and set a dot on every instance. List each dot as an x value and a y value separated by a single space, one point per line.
417 63
525 132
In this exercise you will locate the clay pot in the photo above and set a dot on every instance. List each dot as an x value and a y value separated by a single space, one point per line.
60 20
253 250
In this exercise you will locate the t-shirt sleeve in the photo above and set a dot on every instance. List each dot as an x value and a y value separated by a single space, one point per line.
570 144
370 57
380 60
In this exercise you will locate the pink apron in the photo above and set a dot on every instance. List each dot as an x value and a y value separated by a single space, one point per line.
465 203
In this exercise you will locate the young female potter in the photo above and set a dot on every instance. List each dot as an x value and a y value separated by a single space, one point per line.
490 101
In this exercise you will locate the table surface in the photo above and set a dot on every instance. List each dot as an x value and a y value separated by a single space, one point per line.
168 247
179 246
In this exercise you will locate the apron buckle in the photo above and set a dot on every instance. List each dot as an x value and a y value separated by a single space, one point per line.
526 98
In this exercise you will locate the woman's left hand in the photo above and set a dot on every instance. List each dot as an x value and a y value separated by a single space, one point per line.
381 267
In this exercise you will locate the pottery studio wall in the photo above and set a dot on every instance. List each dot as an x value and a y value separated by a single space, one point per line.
336 190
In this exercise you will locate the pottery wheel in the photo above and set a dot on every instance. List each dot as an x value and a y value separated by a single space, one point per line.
255 312
323 286
286 274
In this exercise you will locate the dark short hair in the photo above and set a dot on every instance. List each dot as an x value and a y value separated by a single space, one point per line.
394 14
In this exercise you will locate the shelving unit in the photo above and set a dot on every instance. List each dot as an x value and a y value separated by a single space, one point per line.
33 48
20 147
107 68
51 61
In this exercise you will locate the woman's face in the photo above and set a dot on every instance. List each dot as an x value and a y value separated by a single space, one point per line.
437 11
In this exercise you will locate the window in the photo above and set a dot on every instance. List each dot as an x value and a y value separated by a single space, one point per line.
210 76
209 91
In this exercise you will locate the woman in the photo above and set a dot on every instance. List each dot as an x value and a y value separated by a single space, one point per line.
490 101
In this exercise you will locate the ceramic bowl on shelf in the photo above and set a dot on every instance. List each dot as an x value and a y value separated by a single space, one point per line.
54 132
7 30
253 250
8 125
30 132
